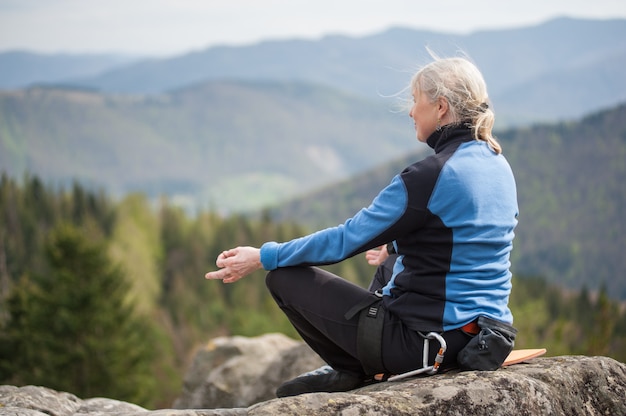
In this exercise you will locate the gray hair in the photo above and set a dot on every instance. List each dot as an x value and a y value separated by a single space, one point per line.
460 82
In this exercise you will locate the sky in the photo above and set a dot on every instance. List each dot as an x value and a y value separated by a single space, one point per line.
171 27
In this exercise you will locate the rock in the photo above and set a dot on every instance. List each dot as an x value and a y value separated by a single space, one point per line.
42 401
239 371
565 385
37 400
107 406
568 385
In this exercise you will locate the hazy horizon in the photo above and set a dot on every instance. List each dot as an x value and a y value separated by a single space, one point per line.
167 27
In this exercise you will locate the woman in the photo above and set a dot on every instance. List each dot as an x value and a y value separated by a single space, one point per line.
450 218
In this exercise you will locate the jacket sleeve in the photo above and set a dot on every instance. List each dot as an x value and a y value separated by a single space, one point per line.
367 229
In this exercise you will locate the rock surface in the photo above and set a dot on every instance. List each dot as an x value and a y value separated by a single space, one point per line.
565 385
239 371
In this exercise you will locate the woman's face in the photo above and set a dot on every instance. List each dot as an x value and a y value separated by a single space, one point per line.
425 115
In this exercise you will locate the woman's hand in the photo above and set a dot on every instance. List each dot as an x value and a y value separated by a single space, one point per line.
376 256
236 263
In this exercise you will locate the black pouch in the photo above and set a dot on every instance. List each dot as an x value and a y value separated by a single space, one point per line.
489 348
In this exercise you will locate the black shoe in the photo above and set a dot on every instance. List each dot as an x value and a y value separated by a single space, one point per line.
324 379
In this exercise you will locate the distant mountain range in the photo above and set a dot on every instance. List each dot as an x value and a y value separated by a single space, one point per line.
562 69
234 146
241 127
20 69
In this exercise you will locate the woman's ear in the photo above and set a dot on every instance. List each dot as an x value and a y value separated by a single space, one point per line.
443 106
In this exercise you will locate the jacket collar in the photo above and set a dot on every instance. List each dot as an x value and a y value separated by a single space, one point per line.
450 133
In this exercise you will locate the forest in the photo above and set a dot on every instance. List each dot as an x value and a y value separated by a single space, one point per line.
107 297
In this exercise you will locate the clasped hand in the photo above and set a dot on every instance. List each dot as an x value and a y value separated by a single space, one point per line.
236 263
377 256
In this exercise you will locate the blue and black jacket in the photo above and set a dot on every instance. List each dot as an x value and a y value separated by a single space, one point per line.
451 218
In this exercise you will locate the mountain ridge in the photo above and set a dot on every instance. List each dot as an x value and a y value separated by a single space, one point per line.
21 69
517 63
235 145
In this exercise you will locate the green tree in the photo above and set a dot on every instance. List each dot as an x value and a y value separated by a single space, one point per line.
605 317
72 330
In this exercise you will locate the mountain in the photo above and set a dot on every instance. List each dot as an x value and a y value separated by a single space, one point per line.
19 69
561 69
571 192
233 145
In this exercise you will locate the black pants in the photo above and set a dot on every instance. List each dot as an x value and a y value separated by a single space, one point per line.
315 302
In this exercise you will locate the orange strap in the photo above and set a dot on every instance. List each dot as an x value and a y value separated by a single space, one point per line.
472 328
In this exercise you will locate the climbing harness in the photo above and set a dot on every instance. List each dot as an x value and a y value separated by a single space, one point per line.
371 318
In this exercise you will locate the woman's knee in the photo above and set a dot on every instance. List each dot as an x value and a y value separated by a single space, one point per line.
280 278
274 277
271 277
286 284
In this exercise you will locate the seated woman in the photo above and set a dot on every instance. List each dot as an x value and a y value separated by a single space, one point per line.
450 218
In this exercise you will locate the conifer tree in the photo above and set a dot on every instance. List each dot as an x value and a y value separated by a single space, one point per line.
72 330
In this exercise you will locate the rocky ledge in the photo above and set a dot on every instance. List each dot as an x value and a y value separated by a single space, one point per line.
564 385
